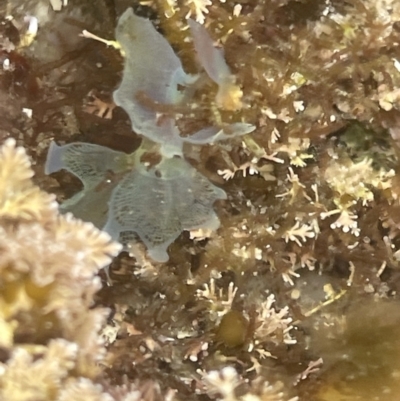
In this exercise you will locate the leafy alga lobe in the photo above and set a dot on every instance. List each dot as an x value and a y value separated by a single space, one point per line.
153 72
153 202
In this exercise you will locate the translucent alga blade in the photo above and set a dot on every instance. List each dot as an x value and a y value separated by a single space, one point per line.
90 163
159 203
91 204
211 135
213 61
195 202
152 71
211 58
143 204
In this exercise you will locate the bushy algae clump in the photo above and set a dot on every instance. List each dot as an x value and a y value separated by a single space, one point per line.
154 202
